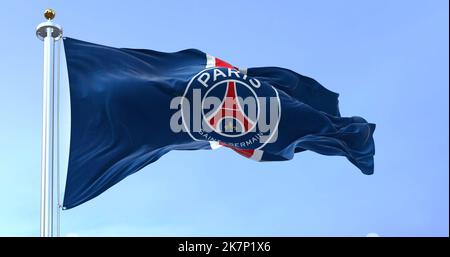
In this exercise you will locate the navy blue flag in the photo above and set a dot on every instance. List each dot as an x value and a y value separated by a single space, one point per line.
129 107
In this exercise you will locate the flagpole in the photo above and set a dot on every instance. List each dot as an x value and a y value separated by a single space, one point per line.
50 33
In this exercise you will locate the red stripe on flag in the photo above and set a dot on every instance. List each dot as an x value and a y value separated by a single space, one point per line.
244 152
224 64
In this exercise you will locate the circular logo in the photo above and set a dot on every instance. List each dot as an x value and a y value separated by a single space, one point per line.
229 107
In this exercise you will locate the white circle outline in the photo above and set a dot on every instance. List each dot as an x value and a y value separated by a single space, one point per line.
195 139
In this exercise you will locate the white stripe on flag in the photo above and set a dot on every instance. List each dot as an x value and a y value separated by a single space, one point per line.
243 71
214 145
257 155
210 61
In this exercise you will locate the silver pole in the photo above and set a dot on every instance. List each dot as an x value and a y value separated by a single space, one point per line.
57 142
49 33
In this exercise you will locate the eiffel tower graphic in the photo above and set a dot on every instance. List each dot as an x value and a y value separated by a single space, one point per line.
230 108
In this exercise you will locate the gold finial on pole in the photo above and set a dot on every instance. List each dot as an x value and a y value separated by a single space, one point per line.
49 14
42 29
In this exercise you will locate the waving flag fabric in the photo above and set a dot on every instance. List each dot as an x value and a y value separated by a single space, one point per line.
130 106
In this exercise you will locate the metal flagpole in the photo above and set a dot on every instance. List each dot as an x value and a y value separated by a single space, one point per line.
50 33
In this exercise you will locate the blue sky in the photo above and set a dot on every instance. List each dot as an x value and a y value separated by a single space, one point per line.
387 59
